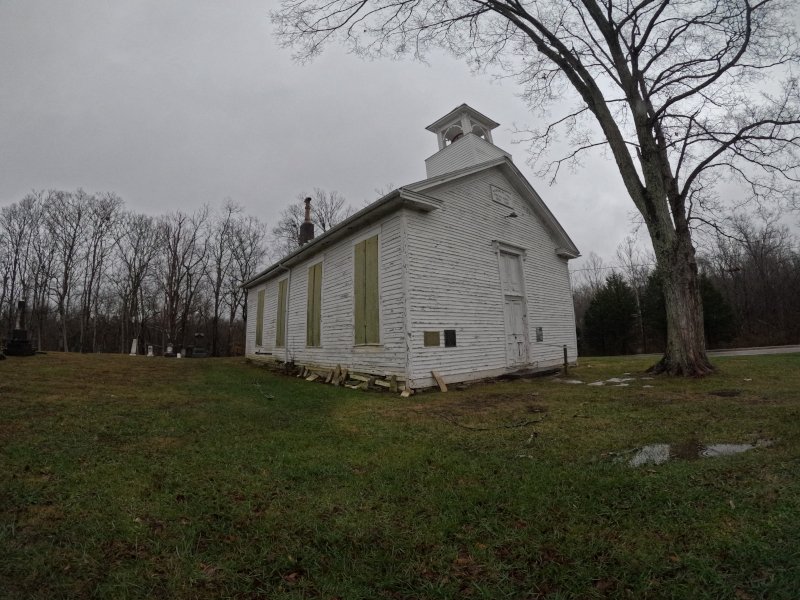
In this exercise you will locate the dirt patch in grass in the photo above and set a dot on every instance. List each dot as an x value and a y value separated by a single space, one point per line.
477 401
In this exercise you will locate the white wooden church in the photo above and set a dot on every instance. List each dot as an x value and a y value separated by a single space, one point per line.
463 273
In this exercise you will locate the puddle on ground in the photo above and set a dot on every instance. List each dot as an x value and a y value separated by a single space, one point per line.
657 454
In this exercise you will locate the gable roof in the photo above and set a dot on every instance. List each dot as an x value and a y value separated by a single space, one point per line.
566 247
412 196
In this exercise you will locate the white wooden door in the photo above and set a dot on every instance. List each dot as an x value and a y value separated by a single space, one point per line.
514 307
511 274
516 339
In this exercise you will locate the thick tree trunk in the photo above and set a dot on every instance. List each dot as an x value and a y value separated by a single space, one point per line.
685 353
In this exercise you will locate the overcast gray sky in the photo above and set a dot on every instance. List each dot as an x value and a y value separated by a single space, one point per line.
175 104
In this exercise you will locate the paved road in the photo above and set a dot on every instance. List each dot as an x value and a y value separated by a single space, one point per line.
755 351
745 351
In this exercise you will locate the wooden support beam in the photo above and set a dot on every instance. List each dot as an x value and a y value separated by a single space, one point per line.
439 381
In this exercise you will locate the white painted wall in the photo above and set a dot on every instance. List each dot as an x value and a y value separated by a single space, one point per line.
386 358
466 151
454 281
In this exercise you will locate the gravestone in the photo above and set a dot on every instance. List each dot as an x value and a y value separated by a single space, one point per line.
199 349
149 351
170 351
134 347
20 344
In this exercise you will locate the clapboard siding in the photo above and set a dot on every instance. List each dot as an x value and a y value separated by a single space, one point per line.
337 337
465 152
454 281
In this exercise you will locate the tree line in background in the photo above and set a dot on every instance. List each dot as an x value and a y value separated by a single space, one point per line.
749 286
96 276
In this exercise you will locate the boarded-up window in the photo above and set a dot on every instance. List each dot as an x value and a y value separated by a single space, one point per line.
430 338
280 326
367 318
260 319
313 311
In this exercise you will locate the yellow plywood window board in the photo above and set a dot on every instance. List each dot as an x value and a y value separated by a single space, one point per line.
280 329
431 338
366 294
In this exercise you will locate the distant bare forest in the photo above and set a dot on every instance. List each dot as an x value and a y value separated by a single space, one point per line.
95 276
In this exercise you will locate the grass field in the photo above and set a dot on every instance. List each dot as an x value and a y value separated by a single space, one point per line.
152 478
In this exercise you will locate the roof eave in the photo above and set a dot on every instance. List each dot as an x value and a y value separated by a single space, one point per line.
394 200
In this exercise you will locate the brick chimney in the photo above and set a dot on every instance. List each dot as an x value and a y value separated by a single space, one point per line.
307 227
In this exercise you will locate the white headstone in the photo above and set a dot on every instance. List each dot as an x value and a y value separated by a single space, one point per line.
134 347
178 355
149 351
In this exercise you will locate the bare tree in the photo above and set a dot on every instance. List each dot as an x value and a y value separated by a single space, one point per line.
66 220
18 223
669 87
102 213
220 250
756 268
249 248
328 208
137 240
185 251
636 266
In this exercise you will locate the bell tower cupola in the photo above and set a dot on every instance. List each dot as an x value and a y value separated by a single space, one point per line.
465 139
459 122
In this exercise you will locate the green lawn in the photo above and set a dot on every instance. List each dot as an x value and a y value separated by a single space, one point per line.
132 478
